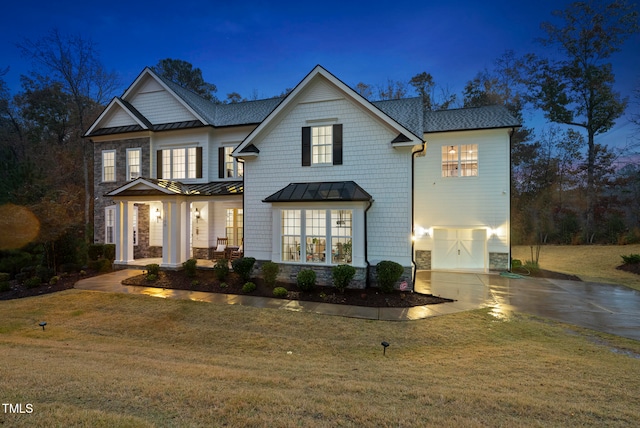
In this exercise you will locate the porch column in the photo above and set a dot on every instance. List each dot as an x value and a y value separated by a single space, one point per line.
175 250
124 232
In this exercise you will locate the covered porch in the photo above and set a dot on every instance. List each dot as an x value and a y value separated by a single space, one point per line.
165 222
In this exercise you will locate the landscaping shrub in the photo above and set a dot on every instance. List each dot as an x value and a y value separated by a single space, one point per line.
387 274
95 251
54 280
4 286
153 269
151 277
4 277
221 269
249 287
280 292
13 261
270 272
631 259
342 276
33 282
70 267
190 267
109 252
306 280
243 267
44 273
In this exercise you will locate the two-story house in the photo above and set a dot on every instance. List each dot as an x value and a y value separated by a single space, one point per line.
318 178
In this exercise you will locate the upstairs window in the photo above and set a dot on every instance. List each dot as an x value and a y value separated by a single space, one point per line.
460 160
109 165
228 166
322 145
133 164
179 164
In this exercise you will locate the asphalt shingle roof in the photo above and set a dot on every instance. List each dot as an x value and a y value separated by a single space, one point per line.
466 119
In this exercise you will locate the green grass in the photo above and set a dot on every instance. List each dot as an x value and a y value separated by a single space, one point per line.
595 263
120 360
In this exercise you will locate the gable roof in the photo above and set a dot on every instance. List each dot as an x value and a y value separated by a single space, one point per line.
410 136
468 119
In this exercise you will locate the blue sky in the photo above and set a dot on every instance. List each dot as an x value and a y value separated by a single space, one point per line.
264 47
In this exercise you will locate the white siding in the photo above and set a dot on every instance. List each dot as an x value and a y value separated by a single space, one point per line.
158 105
480 202
119 118
368 159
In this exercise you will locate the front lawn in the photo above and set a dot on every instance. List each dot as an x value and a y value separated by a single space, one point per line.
120 360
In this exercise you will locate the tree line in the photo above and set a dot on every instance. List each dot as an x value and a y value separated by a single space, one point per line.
566 187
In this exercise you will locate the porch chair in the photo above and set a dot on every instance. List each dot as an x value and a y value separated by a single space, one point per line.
219 251
236 254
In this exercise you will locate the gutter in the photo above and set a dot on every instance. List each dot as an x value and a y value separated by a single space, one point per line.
413 213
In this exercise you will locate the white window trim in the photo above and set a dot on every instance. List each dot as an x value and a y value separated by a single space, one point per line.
111 209
329 145
167 173
459 161
327 237
139 150
236 164
104 180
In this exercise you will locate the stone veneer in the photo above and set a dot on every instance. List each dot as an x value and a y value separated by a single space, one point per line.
289 273
423 259
499 261
100 188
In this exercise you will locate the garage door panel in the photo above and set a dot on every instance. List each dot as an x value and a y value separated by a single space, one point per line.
459 248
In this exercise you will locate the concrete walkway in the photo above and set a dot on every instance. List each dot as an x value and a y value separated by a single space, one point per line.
602 307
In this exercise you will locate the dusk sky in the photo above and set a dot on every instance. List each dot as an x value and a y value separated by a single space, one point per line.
263 47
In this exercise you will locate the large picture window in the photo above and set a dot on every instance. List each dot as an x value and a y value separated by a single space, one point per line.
460 160
327 236
179 164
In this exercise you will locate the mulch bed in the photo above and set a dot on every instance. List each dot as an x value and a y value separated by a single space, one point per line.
205 281
630 267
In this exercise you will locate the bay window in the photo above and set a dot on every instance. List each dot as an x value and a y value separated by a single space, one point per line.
326 233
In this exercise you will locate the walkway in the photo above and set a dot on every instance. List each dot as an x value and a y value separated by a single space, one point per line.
602 307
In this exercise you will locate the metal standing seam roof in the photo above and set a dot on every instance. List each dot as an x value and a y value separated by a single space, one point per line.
320 192
214 188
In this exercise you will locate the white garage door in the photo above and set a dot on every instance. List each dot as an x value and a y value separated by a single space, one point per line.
459 248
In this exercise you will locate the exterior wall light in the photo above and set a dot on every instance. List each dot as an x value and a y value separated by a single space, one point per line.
158 215
197 215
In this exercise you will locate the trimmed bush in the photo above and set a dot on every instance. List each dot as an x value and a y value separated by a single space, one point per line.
44 273
306 280
151 277
249 287
190 267
270 272
221 269
243 267
13 261
54 280
153 269
631 259
387 274
342 276
33 282
280 292
109 252
95 251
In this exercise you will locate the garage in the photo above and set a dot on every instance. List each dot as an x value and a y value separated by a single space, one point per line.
459 249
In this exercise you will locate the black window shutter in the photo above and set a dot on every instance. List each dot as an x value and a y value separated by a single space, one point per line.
337 144
306 146
198 162
159 164
220 162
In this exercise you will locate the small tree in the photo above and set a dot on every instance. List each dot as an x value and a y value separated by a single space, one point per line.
270 272
342 276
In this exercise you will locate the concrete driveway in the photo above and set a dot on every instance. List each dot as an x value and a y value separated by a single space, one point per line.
603 307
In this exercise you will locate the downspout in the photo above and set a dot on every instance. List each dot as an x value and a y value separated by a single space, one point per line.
513 130
366 246
413 213
244 172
